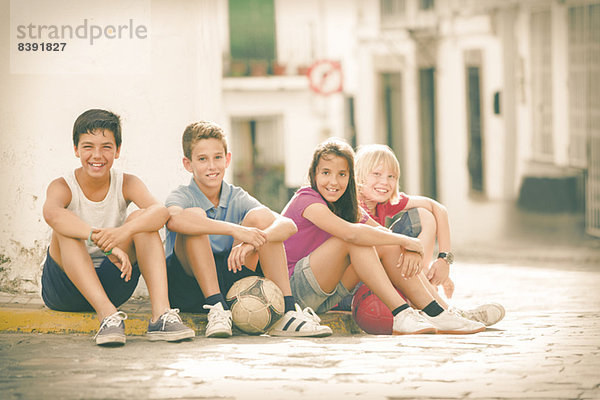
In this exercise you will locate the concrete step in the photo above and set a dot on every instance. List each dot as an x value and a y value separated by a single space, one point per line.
27 314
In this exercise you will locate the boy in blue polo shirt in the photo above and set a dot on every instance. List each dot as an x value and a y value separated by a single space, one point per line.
218 234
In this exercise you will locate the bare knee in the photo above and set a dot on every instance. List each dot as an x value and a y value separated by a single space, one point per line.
388 251
134 215
261 218
427 219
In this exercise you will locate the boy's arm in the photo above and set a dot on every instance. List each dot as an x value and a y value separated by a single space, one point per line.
278 228
193 221
61 220
441 218
151 216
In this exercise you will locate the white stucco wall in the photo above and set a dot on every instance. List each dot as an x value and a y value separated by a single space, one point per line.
37 112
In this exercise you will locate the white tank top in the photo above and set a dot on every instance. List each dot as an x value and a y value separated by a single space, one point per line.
108 213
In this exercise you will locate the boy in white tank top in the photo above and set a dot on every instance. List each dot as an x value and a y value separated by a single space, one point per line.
96 252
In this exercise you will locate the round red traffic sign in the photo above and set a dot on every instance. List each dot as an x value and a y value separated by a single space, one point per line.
325 77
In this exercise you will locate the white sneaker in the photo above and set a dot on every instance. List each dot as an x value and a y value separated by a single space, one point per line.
300 323
409 322
487 314
219 321
451 323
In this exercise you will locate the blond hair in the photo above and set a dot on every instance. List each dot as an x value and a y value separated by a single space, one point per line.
369 157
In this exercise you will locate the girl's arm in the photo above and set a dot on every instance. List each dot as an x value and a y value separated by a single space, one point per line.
357 233
439 271
441 219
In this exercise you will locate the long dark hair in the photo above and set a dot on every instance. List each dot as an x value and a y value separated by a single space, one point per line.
347 205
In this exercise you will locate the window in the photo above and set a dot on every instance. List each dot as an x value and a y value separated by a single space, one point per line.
258 161
426 4
541 78
392 7
584 78
392 12
252 36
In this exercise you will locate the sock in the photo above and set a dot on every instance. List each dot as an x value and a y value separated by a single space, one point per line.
397 310
433 309
217 298
290 303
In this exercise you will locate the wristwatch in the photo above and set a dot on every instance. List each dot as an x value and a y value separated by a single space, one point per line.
447 256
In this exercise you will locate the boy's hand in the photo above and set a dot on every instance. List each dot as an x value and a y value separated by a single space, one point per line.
414 244
109 238
237 256
439 272
409 263
121 260
252 236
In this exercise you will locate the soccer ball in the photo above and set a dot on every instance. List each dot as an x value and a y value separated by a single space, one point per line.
370 314
256 304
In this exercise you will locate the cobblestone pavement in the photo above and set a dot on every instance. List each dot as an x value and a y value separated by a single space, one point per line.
547 347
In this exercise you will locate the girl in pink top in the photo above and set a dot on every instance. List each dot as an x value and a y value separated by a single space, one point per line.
377 173
332 250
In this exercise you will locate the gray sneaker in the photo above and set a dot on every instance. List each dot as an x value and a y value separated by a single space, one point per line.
112 330
169 327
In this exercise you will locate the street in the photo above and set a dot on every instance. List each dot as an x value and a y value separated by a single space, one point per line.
547 347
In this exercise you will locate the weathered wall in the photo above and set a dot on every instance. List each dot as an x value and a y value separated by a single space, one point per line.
37 112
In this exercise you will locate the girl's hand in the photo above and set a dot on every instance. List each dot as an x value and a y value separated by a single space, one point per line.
109 238
448 287
410 264
414 244
439 272
237 257
121 260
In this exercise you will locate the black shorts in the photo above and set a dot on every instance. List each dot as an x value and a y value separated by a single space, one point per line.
60 294
184 291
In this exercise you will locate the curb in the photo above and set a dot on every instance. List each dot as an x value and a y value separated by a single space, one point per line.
43 320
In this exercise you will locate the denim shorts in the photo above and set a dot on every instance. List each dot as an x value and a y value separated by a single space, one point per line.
308 293
184 291
60 294
407 223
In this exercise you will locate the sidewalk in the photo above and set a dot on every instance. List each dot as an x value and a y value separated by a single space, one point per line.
546 348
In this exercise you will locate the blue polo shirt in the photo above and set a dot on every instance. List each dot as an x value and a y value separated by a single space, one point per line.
234 205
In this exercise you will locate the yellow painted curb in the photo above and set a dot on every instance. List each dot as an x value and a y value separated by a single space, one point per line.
22 320
48 321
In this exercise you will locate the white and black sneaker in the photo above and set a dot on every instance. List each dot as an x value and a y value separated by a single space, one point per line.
218 322
300 323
